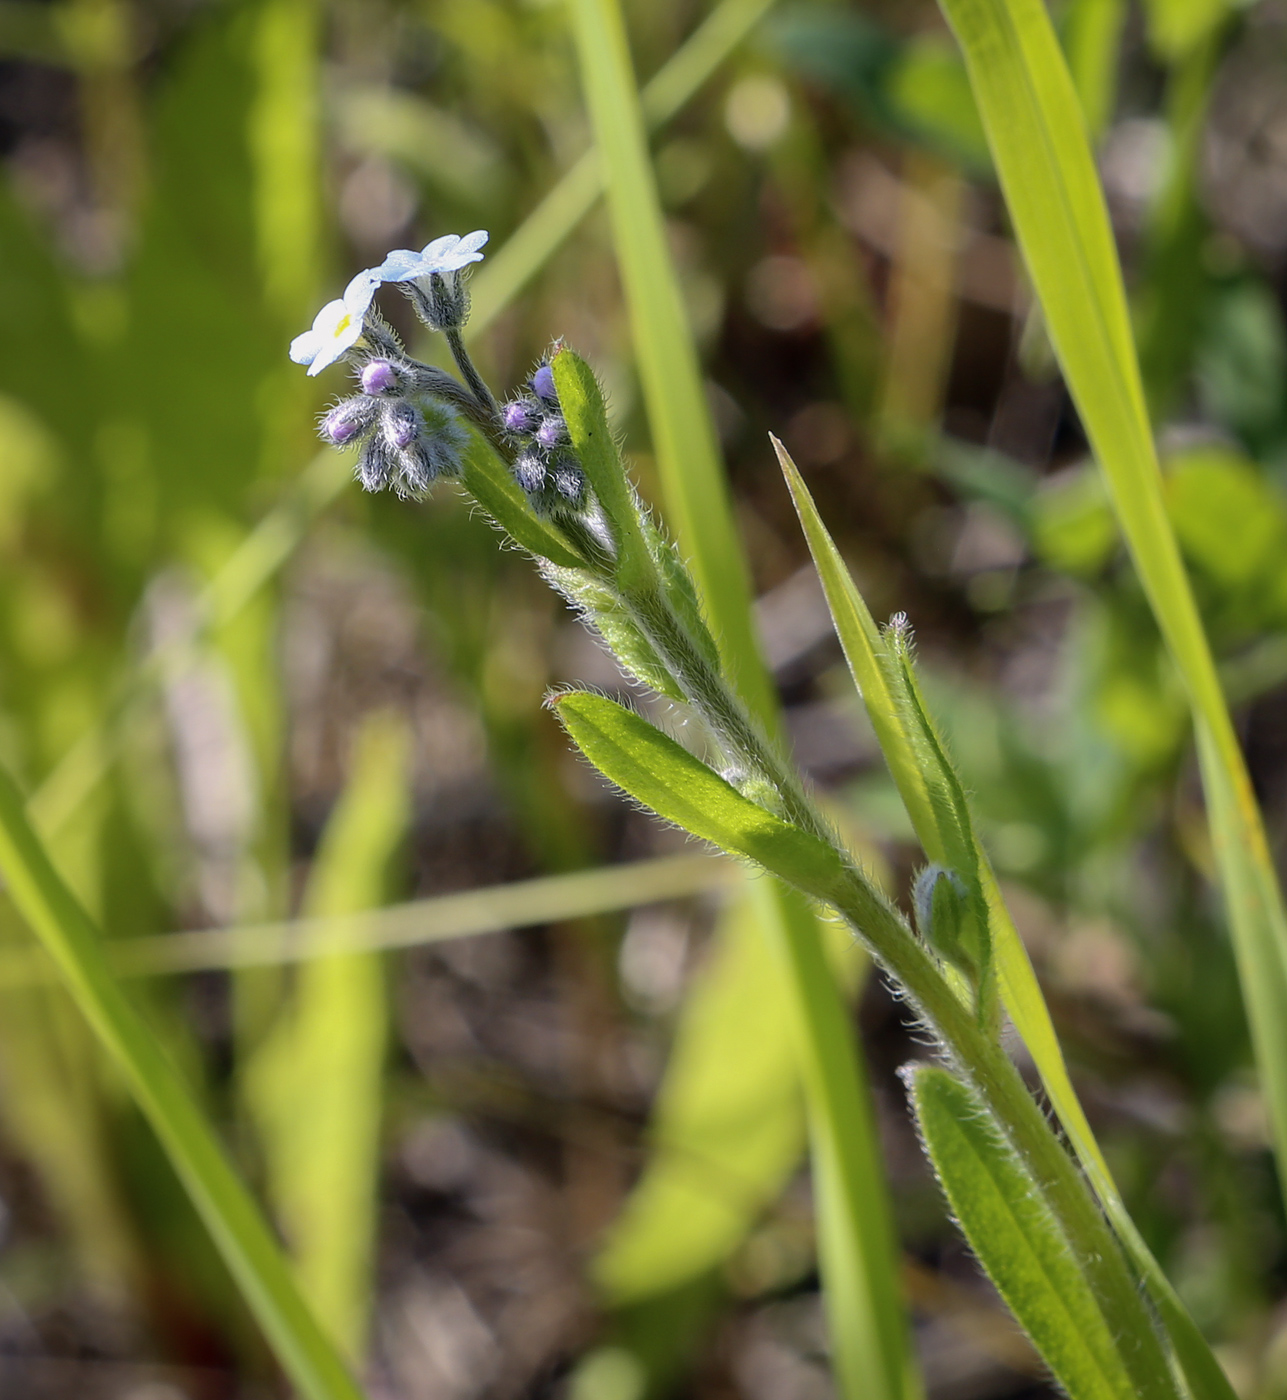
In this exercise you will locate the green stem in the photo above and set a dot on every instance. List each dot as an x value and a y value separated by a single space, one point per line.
981 1059
469 372
977 1054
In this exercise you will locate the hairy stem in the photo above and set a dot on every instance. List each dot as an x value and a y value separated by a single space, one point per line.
976 1054
469 373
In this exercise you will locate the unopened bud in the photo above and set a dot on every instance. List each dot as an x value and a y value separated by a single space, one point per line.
401 424
552 432
543 384
521 415
569 481
378 377
377 466
529 472
346 421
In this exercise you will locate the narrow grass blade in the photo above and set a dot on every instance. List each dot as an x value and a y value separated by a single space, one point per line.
519 904
223 1202
1018 1240
547 227
1043 159
727 1129
327 1049
869 664
868 1334
688 457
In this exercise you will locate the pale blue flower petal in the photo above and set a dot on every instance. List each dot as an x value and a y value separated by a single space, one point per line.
359 292
432 253
449 253
400 266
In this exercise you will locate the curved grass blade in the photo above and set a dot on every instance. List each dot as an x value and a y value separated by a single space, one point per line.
327 1049
543 232
223 1202
1044 162
1047 173
1017 1239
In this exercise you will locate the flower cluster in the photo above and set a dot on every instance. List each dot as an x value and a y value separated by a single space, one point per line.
406 418
545 467
408 435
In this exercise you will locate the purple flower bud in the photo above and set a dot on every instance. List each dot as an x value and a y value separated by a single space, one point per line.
521 416
401 425
552 431
378 377
344 422
543 384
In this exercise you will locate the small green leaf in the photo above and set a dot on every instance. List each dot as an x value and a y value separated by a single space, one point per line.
1018 1241
486 479
581 400
872 669
604 611
656 771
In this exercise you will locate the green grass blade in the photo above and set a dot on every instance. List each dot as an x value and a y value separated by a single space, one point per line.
223 1202
547 227
1047 173
865 653
697 498
1018 1241
520 904
727 1129
327 1049
868 1334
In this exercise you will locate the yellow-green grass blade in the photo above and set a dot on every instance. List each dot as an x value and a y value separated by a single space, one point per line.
727 1129
327 1049
864 651
688 458
223 1202
1044 162
521 904
547 227
868 1332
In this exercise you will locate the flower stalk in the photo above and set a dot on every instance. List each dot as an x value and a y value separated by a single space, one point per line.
568 485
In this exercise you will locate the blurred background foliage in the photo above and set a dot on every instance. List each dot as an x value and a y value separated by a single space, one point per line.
558 1148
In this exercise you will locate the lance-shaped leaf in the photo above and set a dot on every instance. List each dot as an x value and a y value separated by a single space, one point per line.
1018 1240
491 485
652 768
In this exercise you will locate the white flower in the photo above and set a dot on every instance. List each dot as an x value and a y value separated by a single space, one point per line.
449 253
336 326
